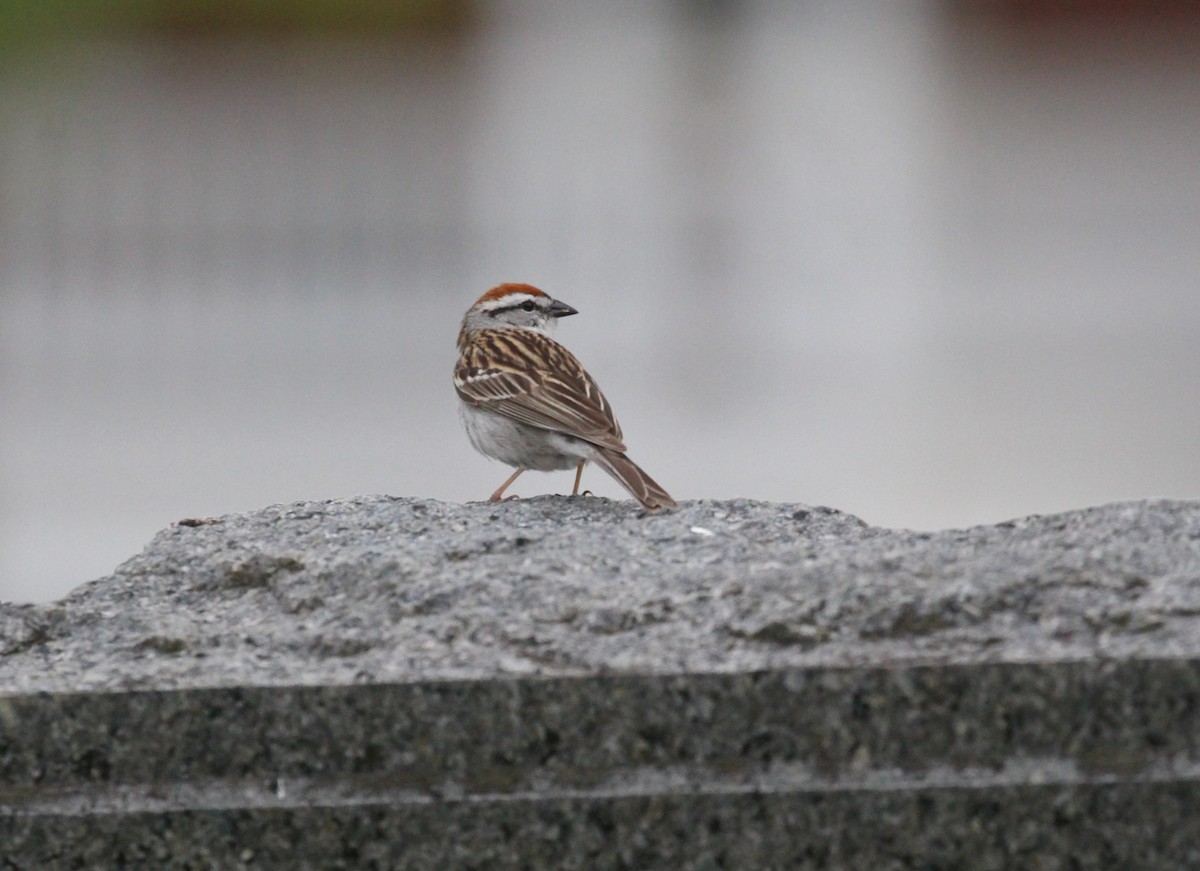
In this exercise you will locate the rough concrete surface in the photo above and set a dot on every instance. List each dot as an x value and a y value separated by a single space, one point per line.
558 682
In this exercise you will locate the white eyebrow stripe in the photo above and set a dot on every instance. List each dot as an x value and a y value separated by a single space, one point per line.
512 300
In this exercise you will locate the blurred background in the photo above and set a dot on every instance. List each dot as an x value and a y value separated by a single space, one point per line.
932 263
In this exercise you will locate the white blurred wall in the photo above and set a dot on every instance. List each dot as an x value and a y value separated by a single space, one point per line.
929 265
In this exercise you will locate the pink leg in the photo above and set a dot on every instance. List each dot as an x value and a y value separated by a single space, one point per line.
498 495
578 475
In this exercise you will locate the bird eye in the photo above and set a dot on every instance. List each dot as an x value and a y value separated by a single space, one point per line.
528 306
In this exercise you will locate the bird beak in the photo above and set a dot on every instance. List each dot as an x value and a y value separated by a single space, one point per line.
560 310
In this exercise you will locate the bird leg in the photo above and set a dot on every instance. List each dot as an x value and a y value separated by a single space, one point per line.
578 475
498 496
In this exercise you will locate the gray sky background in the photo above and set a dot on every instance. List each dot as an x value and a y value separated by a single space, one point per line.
932 264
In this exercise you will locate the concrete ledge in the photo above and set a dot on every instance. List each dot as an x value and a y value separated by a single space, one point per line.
567 683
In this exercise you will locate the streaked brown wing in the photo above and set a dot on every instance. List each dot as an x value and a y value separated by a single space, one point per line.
537 381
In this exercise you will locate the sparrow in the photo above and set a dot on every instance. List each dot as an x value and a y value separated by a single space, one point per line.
526 401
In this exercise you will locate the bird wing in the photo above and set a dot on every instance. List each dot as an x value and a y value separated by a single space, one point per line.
531 378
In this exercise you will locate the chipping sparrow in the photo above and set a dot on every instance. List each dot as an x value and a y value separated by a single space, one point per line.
527 401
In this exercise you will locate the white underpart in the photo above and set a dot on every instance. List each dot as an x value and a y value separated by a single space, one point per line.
519 444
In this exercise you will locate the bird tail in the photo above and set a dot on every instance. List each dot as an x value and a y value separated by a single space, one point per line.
630 476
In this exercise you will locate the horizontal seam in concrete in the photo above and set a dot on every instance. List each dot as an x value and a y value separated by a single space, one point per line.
672 781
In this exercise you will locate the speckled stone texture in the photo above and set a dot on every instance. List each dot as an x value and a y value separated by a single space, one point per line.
569 683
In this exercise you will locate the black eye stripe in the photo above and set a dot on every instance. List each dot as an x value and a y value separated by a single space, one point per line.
514 307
